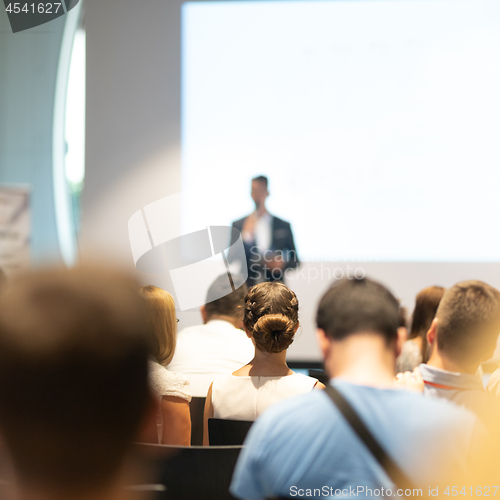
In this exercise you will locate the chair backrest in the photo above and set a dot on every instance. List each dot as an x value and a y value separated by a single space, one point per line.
190 472
196 409
320 375
227 432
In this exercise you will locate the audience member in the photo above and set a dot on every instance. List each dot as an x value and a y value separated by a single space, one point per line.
74 394
217 347
403 319
306 443
271 318
463 334
414 350
173 424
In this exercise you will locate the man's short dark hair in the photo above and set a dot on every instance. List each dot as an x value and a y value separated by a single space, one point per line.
468 321
260 178
353 306
74 347
231 302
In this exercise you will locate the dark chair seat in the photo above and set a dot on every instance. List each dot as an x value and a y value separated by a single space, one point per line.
187 472
196 409
320 375
227 432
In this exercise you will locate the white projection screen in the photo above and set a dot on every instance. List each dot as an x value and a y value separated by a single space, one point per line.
376 122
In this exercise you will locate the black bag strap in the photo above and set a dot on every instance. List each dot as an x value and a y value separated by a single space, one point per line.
398 477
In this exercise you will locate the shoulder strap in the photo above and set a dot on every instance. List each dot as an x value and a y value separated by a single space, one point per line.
398 477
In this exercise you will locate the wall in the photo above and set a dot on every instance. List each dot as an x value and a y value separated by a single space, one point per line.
29 63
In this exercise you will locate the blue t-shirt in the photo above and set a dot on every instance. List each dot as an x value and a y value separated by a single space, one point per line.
305 443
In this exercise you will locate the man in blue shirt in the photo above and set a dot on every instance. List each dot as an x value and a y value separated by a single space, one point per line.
305 447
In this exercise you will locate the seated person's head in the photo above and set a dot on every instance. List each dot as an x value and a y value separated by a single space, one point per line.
352 307
271 316
467 324
403 317
163 321
224 303
74 387
426 304
403 320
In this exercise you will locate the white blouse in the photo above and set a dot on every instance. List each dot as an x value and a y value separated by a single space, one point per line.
245 398
166 383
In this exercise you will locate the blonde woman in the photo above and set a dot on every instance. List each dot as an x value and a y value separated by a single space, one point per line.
173 420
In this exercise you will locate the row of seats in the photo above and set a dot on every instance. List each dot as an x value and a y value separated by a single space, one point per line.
210 471
221 432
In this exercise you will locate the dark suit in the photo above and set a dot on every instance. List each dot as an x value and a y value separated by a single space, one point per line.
281 243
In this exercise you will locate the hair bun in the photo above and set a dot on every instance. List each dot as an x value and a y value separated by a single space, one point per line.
273 332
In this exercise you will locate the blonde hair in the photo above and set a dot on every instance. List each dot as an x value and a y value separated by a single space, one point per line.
163 322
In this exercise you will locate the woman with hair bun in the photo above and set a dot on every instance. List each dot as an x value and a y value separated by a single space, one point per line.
270 320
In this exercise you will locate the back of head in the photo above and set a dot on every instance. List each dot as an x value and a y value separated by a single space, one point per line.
353 306
402 317
468 322
426 305
271 315
223 301
163 321
73 375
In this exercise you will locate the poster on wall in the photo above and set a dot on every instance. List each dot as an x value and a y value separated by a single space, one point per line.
15 228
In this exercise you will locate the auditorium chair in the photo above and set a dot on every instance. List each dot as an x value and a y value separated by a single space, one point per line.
196 409
319 375
227 432
187 472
